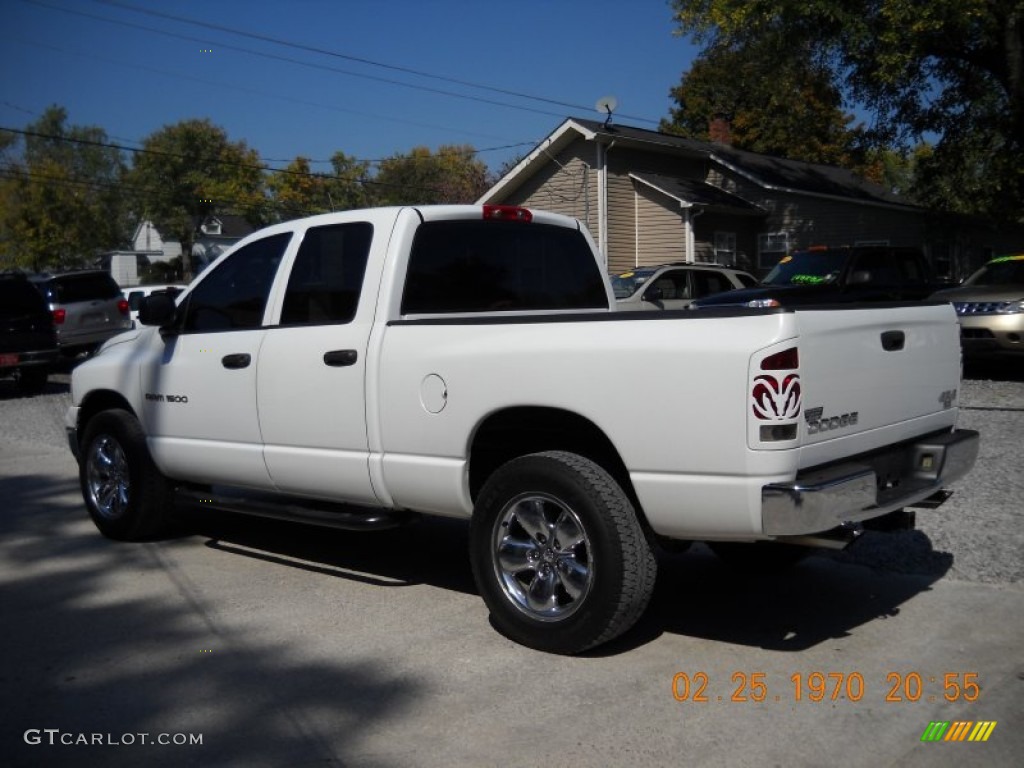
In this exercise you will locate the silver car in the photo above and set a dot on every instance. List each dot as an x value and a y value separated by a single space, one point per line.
674 286
990 307
87 308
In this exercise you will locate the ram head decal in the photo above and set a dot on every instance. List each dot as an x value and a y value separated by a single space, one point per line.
775 399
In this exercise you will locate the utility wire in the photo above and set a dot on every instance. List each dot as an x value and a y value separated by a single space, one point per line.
359 59
371 161
312 65
234 163
242 89
212 161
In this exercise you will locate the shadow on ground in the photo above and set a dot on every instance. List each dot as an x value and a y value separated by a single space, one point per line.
103 637
995 368
825 596
93 645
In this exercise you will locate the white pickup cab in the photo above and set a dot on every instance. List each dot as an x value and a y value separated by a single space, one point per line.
365 368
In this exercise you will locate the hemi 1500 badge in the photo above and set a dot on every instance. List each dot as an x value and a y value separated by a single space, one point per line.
155 398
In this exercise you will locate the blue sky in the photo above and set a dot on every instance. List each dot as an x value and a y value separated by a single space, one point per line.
131 72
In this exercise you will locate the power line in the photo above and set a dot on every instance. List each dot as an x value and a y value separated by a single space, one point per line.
312 65
234 163
17 174
371 161
359 59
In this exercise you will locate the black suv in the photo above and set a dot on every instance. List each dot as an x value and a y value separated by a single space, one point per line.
87 307
28 342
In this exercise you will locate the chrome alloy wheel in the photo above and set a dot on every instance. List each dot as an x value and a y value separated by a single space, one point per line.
107 478
542 557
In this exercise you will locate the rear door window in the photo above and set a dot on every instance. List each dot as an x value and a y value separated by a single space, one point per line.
707 282
497 266
327 276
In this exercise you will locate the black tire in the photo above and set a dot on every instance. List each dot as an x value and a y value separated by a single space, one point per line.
559 595
32 381
758 557
127 497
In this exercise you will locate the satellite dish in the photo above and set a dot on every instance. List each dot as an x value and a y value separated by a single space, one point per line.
607 105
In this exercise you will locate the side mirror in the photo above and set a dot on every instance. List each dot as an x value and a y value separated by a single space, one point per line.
157 309
652 294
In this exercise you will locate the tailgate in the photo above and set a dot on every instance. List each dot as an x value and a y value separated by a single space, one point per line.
874 376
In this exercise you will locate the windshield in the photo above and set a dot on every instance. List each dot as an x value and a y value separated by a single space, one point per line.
628 283
807 268
1008 270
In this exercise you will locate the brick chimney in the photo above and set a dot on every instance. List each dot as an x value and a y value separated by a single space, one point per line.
719 131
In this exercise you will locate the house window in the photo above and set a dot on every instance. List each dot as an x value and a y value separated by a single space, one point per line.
771 247
725 248
212 227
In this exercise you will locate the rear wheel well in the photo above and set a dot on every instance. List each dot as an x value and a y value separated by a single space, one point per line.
515 432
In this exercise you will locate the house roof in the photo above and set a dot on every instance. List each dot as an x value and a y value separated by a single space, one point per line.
771 173
693 192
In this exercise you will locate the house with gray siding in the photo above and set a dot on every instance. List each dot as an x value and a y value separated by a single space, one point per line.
650 198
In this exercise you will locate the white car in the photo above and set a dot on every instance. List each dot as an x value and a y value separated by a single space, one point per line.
675 286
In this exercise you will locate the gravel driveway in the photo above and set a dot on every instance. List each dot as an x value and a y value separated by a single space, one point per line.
978 535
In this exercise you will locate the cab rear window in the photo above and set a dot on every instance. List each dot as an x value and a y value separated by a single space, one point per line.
495 266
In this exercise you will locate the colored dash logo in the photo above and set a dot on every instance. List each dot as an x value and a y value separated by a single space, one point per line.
958 730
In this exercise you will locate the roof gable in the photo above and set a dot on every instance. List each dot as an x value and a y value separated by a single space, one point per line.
770 173
690 192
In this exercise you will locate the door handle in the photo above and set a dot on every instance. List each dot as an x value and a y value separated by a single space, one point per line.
893 341
240 360
340 358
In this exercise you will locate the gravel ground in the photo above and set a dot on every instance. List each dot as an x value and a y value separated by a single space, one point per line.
976 536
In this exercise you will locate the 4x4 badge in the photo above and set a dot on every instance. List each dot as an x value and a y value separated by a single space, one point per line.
947 398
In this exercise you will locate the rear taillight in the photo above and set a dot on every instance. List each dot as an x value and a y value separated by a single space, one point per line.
507 213
122 306
777 397
786 360
59 316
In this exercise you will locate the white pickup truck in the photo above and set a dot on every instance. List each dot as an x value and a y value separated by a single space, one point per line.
357 369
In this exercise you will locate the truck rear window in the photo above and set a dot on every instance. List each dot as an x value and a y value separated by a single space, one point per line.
497 266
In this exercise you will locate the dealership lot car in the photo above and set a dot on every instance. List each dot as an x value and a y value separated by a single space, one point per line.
674 286
28 343
990 307
87 308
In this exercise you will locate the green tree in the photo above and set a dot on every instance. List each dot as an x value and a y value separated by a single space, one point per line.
782 105
347 186
190 170
947 68
298 191
61 198
452 175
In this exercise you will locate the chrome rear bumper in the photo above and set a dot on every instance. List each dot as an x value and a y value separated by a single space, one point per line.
820 500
